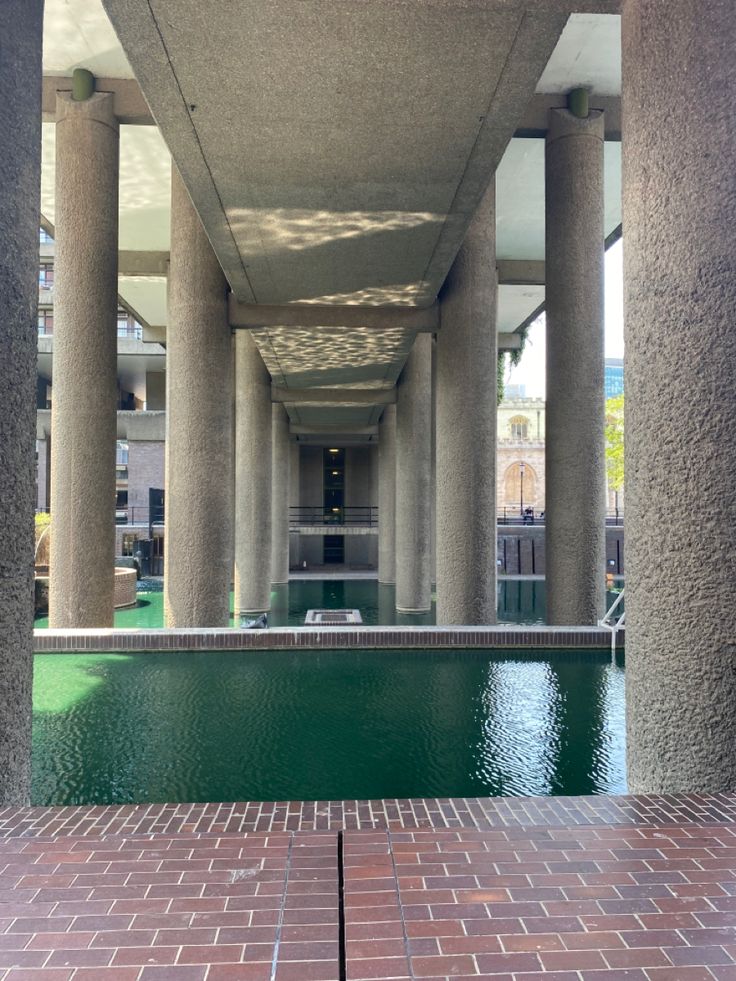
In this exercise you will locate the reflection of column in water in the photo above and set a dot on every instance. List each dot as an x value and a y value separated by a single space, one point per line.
386 604
279 615
333 594
579 692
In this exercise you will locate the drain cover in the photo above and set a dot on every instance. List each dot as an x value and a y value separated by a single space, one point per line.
318 617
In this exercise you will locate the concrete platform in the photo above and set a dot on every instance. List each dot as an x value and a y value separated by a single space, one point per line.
570 889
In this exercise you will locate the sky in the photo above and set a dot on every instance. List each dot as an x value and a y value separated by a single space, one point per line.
530 372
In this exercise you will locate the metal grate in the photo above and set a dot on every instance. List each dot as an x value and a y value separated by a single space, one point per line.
319 617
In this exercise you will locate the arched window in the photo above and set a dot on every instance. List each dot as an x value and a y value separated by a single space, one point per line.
520 491
519 427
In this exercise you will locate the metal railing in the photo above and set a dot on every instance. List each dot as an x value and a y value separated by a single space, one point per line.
135 515
614 619
364 516
514 516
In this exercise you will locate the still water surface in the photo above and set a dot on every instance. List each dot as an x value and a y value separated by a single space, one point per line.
518 602
112 728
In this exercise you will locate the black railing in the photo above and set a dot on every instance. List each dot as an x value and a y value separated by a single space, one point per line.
514 516
139 516
364 516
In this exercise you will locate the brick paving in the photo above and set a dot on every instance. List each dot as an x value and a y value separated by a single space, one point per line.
524 889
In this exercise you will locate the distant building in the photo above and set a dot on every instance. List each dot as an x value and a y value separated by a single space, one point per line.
614 377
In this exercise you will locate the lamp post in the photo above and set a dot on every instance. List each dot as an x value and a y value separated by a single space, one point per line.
522 469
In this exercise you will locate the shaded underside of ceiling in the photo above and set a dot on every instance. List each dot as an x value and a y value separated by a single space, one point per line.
337 151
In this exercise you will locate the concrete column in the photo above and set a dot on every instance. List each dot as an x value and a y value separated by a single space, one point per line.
280 494
253 452
387 496
83 413
198 545
413 466
575 484
466 429
679 213
21 23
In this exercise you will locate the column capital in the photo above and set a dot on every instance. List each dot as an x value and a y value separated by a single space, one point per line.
99 108
563 123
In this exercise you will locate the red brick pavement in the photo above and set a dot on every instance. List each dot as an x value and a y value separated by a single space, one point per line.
623 889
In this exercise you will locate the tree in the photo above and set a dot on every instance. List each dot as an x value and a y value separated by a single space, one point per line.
615 442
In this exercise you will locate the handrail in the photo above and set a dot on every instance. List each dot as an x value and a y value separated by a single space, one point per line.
612 622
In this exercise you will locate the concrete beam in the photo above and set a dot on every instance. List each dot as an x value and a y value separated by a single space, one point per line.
142 263
509 341
520 272
250 316
128 103
330 396
535 121
154 335
325 431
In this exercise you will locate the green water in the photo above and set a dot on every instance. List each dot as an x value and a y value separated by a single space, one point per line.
518 602
324 724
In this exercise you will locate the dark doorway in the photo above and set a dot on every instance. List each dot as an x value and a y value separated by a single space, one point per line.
333 502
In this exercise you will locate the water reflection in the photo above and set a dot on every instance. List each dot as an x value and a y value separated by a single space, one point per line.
325 725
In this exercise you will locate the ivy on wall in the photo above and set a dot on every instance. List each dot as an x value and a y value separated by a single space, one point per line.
514 359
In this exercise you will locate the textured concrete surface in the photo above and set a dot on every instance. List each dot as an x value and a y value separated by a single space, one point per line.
253 452
199 445
280 483
361 491
679 302
20 180
83 414
387 496
575 464
391 143
466 429
413 480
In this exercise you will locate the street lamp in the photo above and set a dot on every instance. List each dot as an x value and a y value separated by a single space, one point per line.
522 469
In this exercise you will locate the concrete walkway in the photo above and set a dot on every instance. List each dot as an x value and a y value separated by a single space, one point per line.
518 889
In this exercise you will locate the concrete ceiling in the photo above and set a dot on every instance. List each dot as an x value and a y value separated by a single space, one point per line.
336 152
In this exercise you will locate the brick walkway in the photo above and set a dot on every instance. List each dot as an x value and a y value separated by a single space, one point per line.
555 889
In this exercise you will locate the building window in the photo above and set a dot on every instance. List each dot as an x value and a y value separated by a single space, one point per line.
130 544
128 326
519 427
44 237
46 275
46 320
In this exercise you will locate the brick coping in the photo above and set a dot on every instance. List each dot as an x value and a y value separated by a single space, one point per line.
502 637
479 814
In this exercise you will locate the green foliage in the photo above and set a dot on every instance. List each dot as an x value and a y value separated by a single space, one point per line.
615 442
42 521
500 373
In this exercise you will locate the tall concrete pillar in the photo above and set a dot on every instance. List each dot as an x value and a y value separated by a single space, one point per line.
280 494
387 496
198 545
84 407
21 23
679 212
253 453
575 483
466 429
413 476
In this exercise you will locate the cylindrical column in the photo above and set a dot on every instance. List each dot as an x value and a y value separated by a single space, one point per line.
575 483
679 213
21 23
252 479
466 429
413 473
387 496
280 494
84 406
198 545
